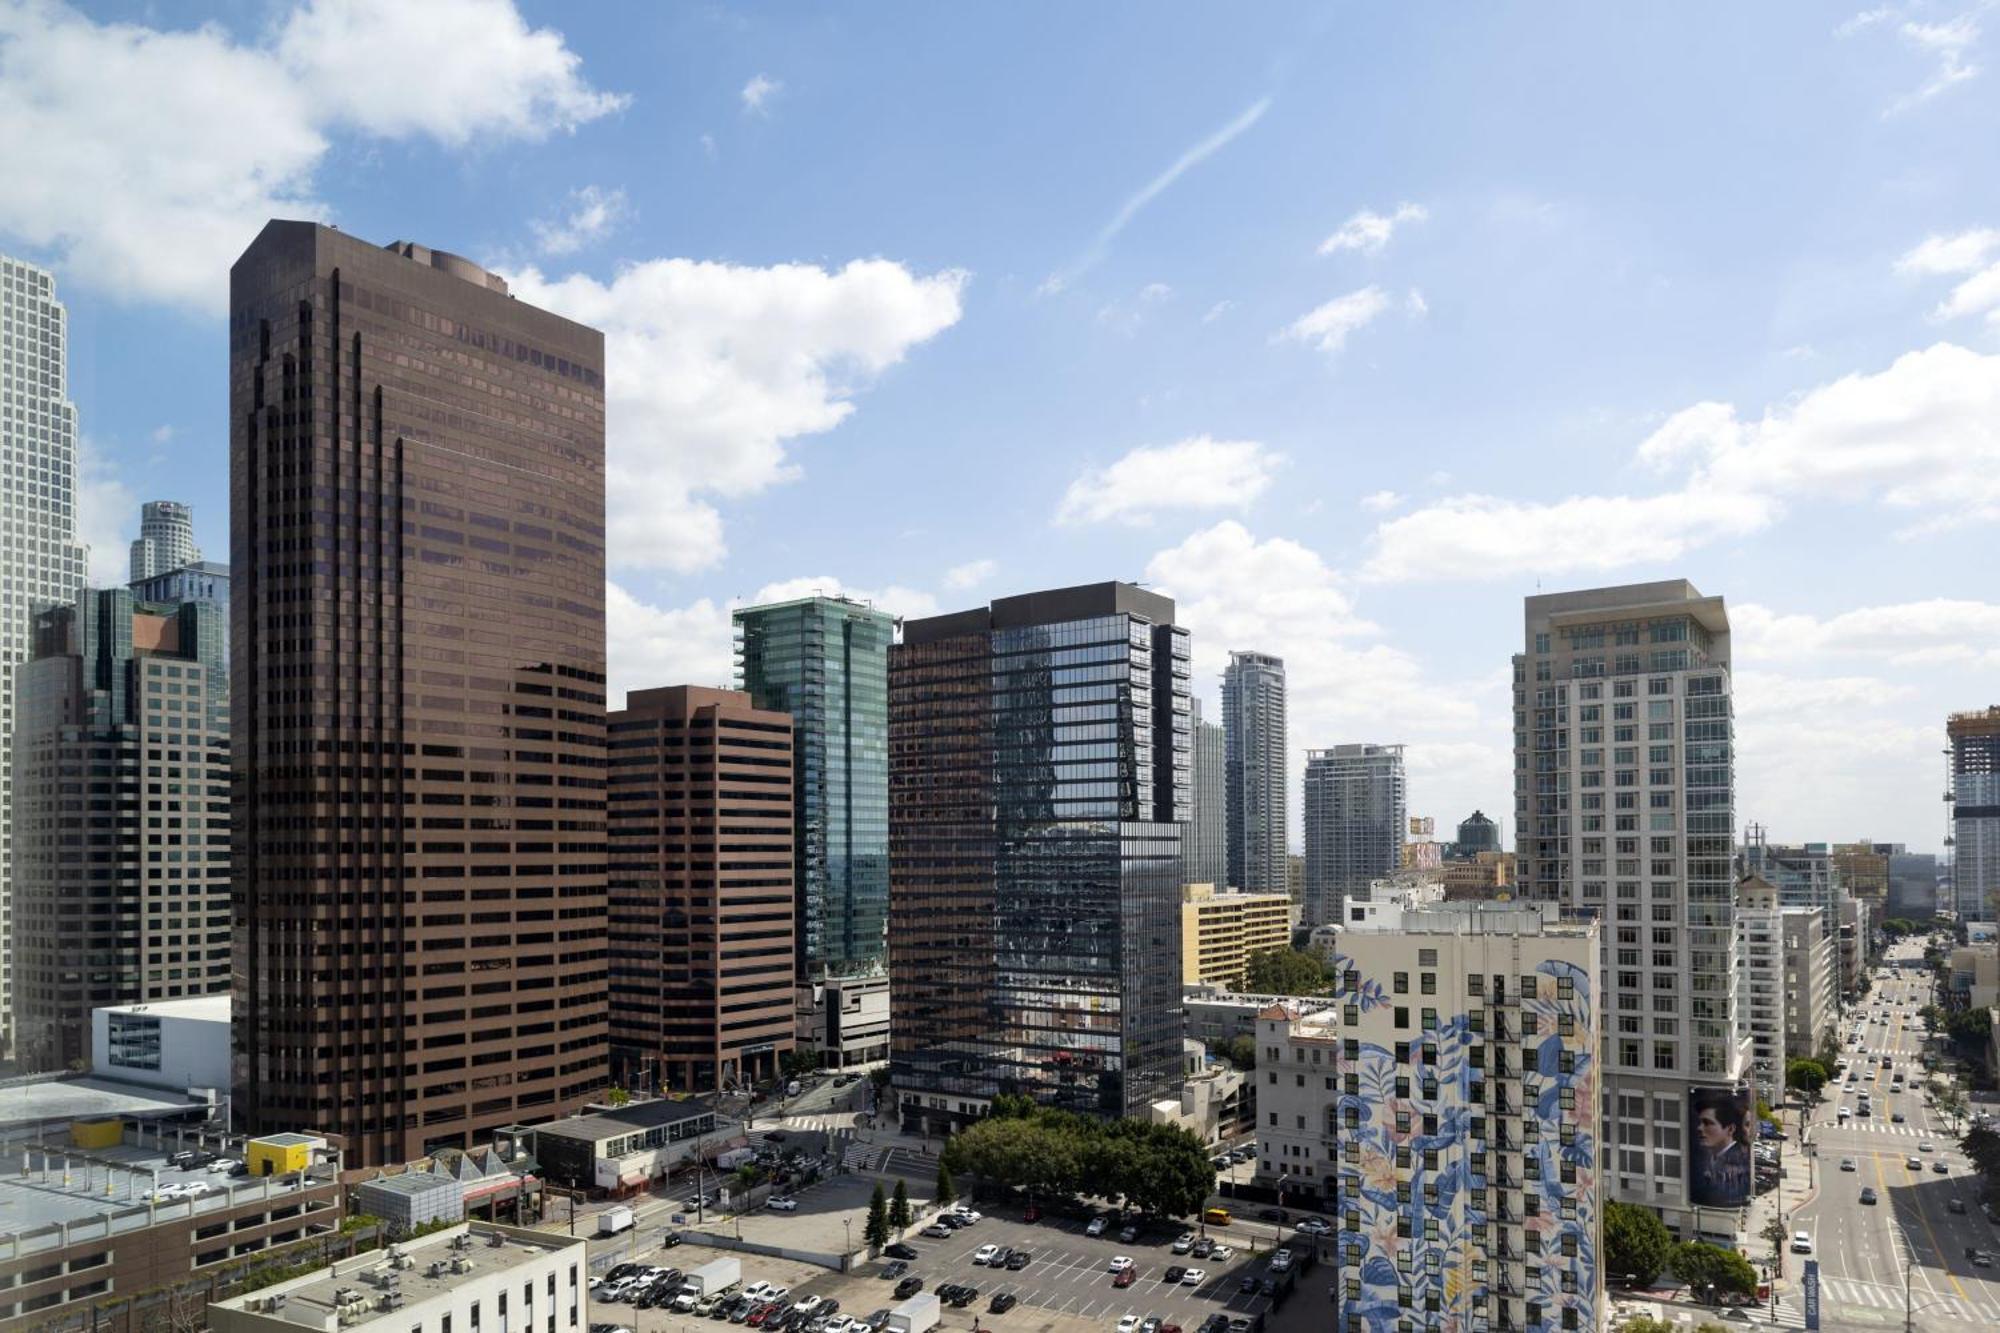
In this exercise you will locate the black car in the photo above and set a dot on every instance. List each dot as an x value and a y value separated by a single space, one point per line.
1247 1284
895 1268
671 1239
1002 1303
964 1296
1215 1323
877 1321
619 1272
909 1287
1019 1260
900 1251
1272 1214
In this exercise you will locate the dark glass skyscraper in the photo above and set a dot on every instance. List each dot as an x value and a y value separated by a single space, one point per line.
1254 771
825 660
417 655
1039 793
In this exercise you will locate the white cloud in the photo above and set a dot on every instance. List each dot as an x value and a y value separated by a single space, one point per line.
1367 232
1196 473
1128 318
1327 327
757 93
162 434
1235 592
1935 631
707 142
107 516
1922 437
1975 252
144 161
970 574
1133 206
1867 18
592 214
1949 43
1415 303
693 645
715 368
1217 311
1381 501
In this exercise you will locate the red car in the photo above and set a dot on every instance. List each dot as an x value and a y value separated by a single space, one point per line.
1125 1278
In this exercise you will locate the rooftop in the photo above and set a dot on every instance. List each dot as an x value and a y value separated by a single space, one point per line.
380 1285
50 1187
48 1098
611 1122
207 1008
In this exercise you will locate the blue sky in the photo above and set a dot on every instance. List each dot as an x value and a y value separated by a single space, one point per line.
1348 326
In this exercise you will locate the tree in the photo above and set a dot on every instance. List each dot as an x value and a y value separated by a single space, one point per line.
1982 1145
617 1097
876 1230
899 1207
879 1076
945 1192
1710 1270
1286 972
1808 1076
1241 1051
1637 1244
1774 1231
1640 1323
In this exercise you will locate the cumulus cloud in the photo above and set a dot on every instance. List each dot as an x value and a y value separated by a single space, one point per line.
1933 631
1381 501
1949 43
146 159
1344 681
757 93
1368 232
715 369
651 645
107 516
970 574
1196 473
1975 253
1327 327
591 215
1921 437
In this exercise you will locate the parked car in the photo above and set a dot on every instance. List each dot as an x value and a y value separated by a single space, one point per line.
1124 1277
1097 1225
1183 1243
1194 1277
895 1268
1019 1260
936 1230
909 1287
1173 1274
784 1204
984 1254
1119 1263
1315 1226
1954 1205
1002 1303
900 1250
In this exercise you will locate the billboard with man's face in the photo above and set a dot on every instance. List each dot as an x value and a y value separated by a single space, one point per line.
1720 1133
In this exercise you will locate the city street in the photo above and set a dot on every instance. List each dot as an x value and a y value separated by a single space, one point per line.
1870 1253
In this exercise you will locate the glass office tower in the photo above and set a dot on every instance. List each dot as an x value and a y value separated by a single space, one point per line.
1039 793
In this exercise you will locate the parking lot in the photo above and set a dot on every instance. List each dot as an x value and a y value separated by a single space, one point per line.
1067 1286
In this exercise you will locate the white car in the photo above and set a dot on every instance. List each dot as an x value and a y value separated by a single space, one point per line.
1183 1243
1119 1264
984 1254
1315 1226
685 1302
808 1305
1221 1252
1096 1227
1129 1324
785 1204
970 1215
1801 1242
222 1164
840 1323
758 1291
1194 1277
777 1293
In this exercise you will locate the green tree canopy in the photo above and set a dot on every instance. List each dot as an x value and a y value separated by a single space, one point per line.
1286 972
1156 1168
899 1207
946 1193
1710 1268
1637 1244
1808 1076
876 1232
1241 1051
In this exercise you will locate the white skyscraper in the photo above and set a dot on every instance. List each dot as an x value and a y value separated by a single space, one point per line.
1624 786
1253 724
40 560
166 539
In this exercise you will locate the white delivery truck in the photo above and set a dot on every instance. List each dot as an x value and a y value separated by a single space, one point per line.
734 1158
614 1220
919 1314
716 1275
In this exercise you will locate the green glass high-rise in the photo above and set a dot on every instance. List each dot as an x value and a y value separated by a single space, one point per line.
825 660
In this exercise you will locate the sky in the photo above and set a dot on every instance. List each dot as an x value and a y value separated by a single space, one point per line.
1347 326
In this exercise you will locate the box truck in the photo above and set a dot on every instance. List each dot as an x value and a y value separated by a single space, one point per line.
614 1220
714 1276
919 1314
734 1158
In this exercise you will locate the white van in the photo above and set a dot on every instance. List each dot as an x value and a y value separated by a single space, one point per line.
1845 1115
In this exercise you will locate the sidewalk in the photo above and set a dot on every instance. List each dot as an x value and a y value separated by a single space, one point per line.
1797 1186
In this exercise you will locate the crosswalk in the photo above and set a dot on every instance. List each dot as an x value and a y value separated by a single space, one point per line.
1839 1292
1883 1127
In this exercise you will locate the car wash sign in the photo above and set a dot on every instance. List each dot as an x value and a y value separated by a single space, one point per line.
1812 1294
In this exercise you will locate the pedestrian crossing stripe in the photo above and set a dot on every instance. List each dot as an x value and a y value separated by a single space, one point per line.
1853 1292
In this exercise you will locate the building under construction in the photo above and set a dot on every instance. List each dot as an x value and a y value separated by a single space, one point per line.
1974 797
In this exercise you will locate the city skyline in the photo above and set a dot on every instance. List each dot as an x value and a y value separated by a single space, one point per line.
1280 366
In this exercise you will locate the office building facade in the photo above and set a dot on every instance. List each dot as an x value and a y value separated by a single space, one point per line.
1038 786
166 539
1624 783
1760 983
41 560
1812 982
824 661
202 581
701 901
417 649
1975 813
1254 771
121 817
1444 1110
1208 811
1357 806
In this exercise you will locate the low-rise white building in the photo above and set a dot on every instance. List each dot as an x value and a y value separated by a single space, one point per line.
1446 1109
1760 983
473 1277
178 1044
1812 972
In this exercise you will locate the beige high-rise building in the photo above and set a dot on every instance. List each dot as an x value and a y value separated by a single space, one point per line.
1624 785
1221 930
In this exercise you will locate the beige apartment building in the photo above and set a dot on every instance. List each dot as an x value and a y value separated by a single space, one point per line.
1220 929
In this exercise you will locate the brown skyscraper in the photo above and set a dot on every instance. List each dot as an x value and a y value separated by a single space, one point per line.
701 889
417 655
